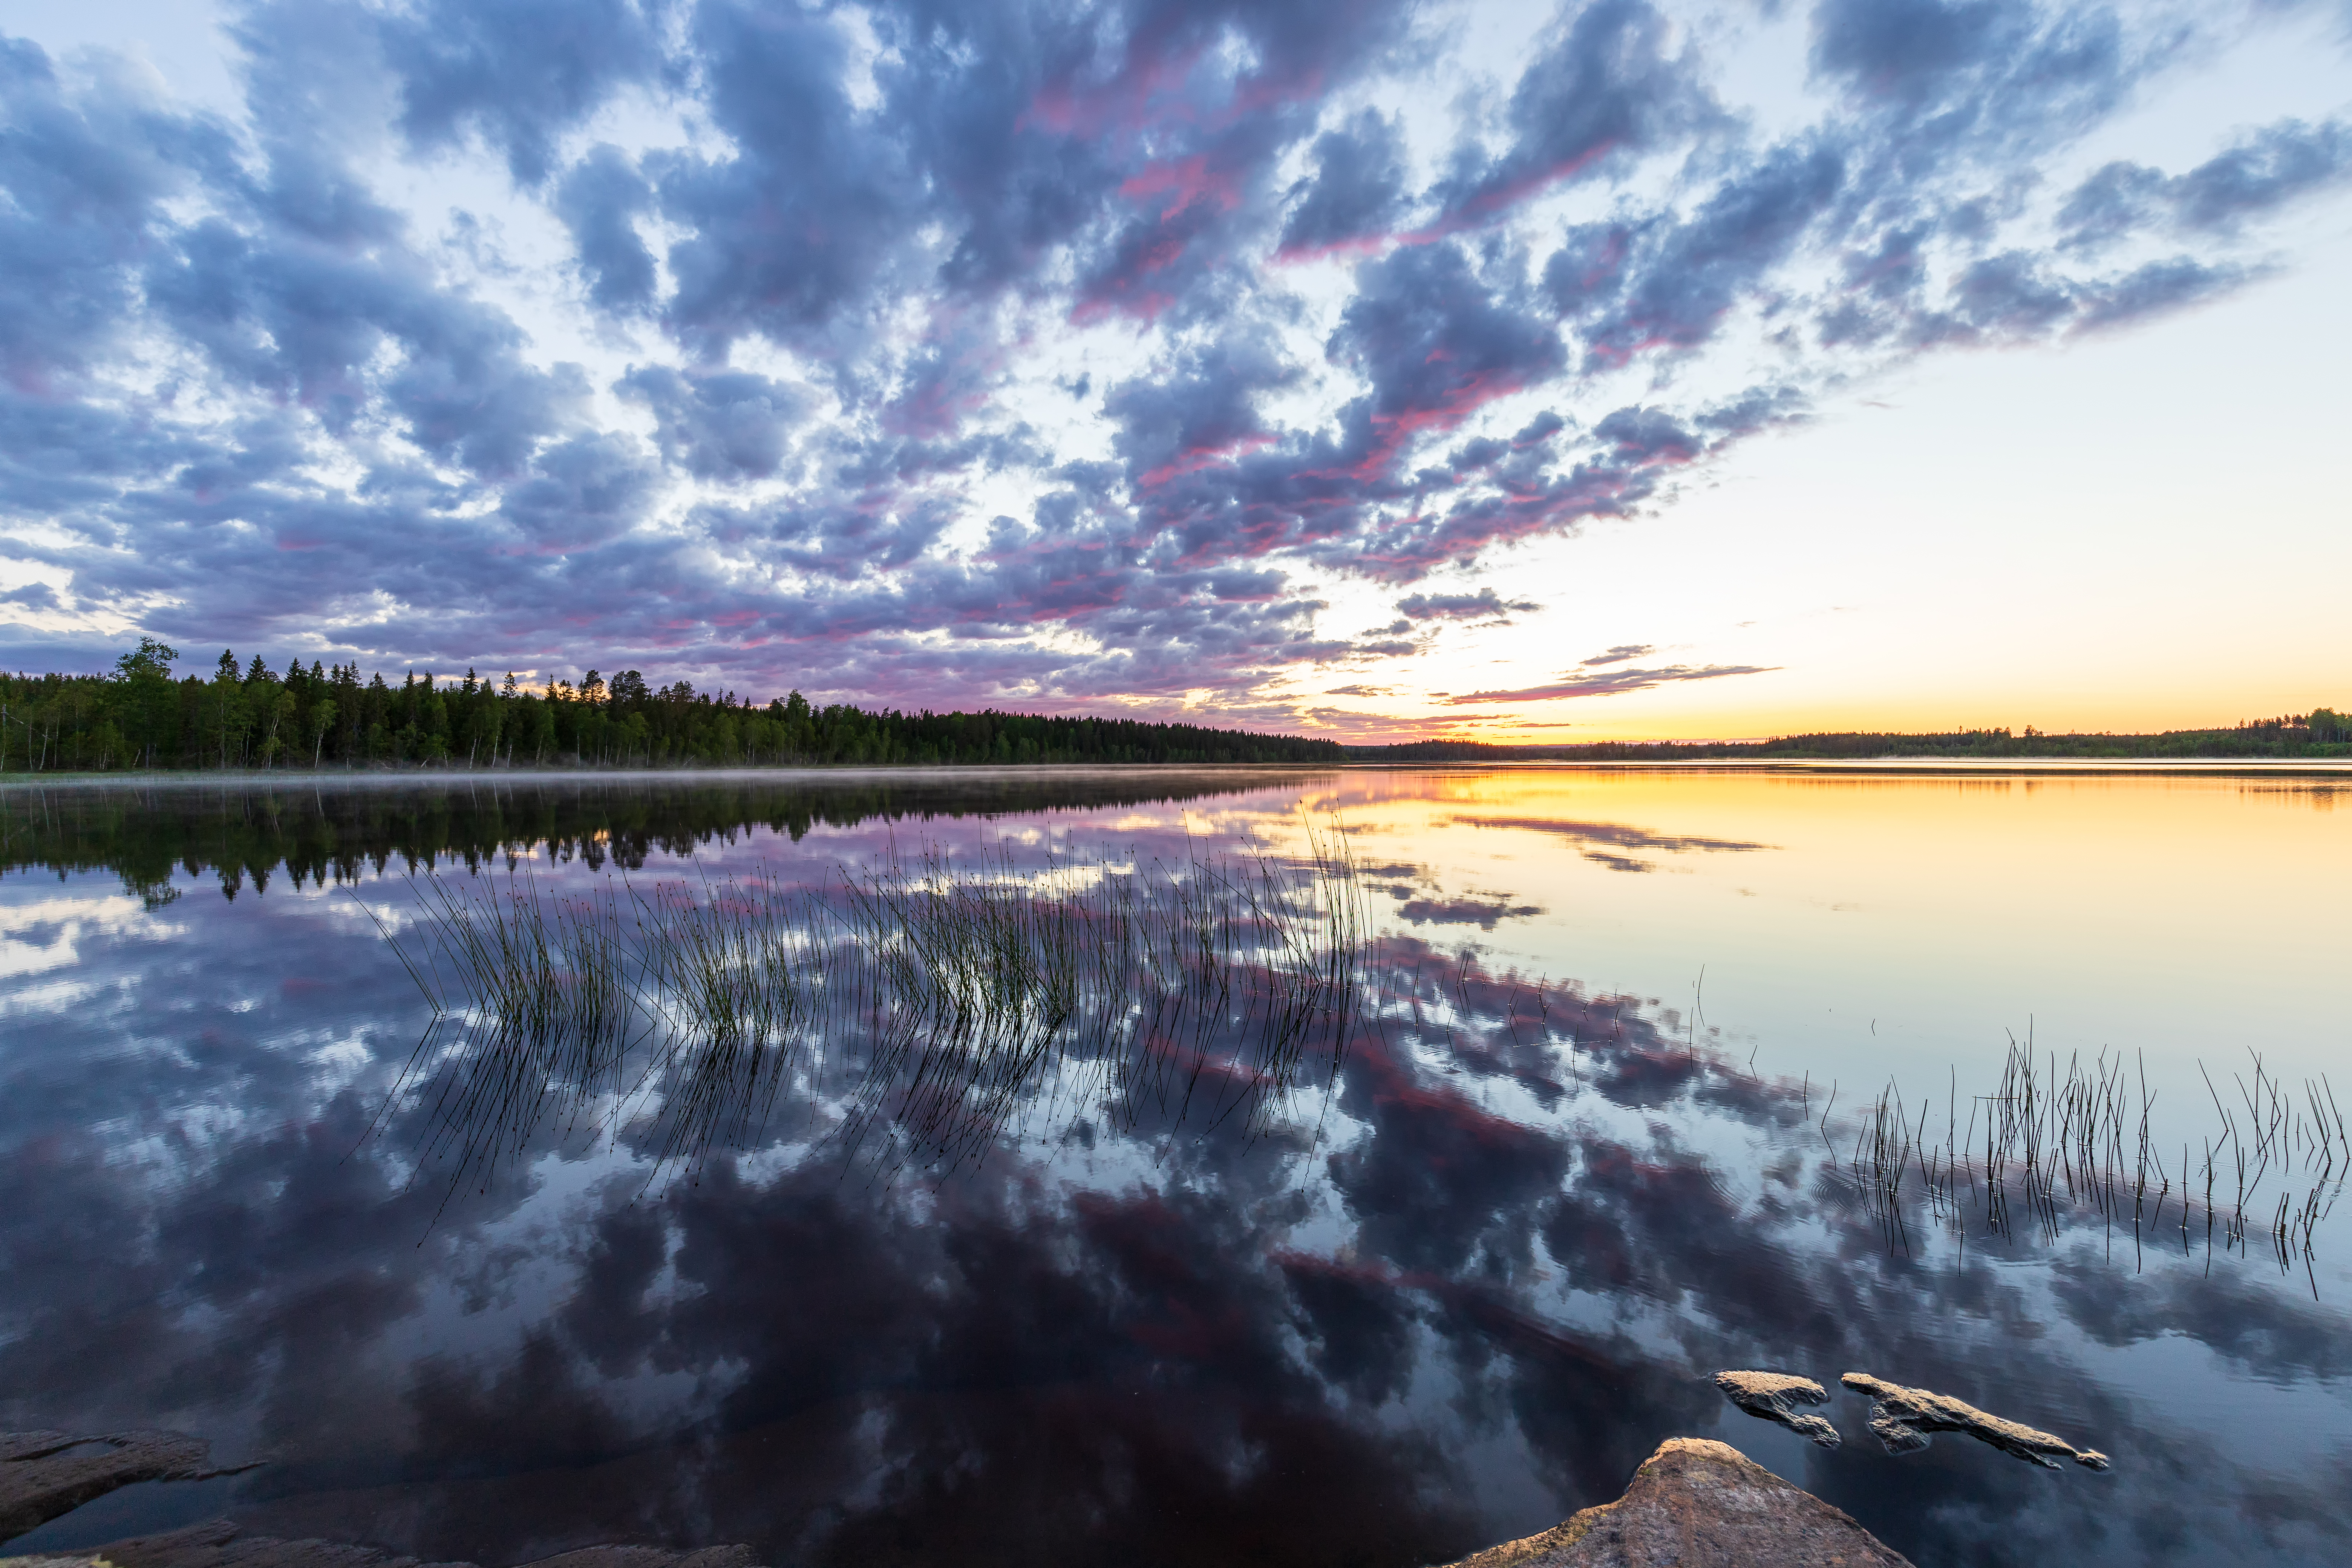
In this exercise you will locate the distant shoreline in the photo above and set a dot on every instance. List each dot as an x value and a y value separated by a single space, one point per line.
1980 766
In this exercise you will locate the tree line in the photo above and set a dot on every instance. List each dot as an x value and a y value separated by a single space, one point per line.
141 715
2321 734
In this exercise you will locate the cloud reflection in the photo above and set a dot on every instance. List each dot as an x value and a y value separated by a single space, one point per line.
1455 1299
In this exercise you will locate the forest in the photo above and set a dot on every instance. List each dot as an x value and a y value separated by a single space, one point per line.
2320 734
142 716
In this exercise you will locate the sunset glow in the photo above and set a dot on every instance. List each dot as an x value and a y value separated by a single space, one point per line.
1624 370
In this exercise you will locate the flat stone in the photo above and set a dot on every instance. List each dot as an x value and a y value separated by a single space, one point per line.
1775 1395
1700 1504
1904 1419
45 1473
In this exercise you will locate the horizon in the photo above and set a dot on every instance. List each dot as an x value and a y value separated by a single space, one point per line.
561 687
1613 373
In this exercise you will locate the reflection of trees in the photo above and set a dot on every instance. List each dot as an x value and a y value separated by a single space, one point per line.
319 833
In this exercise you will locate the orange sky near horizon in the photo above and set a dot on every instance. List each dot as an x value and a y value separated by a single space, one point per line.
2130 534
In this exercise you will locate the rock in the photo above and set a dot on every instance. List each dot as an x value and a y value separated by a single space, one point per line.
222 1543
1904 1417
1775 1395
40 1479
1700 1504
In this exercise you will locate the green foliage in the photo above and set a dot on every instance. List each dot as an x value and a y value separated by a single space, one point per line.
251 718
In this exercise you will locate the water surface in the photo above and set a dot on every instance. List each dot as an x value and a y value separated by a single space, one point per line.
1581 1154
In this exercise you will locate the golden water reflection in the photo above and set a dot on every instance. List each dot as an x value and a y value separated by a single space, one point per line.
1852 924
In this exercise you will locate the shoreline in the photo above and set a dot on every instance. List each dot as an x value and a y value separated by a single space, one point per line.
2119 767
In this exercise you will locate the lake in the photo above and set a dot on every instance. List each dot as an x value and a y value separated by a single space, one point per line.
1409 1237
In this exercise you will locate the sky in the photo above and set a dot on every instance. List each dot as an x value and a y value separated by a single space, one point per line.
1375 370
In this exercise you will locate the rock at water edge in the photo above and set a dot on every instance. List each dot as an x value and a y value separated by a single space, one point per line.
1700 1504
1904 1417
1775 1395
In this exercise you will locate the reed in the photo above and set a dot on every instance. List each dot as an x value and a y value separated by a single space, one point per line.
535 1003
2063 1146
945 992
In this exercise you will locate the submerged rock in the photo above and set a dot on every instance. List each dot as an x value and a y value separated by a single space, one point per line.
45 1473
1904 1417
222 1544
1775 1395
1700 1504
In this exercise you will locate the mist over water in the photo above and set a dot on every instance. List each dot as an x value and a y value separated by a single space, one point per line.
1574 1152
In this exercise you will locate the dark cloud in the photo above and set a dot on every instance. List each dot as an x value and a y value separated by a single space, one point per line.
83 175
803 222
2277 164
729 424
1484 913
1357 192
518 73
1912 49
1689 277
1641 436
1199 412
600 199
1618 655
581 493
1606 86
1955 77
1611 683
1461 606
2274 167
1436 338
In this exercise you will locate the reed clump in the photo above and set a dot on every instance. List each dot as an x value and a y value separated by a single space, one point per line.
938 996
2055 1146
534 1007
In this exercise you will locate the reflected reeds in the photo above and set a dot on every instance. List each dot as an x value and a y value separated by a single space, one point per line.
2055 1146
932 1002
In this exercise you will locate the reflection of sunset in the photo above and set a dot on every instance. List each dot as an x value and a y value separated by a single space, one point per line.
1940 909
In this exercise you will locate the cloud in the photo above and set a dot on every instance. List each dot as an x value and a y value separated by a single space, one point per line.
517 73
1688 278
1435 337
730 425
1617 844
2275 165
600 200
1617 654
1357 192
1484 913
1005 353
1460 606
1611 683
1605 89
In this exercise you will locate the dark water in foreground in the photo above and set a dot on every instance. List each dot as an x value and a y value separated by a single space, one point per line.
1441 1292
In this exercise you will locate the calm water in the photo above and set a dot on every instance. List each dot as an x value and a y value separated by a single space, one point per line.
1441 1297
